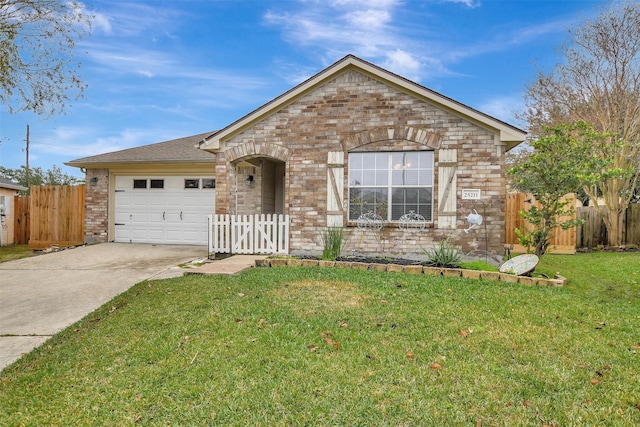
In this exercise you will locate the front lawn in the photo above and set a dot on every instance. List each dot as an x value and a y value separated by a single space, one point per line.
316 346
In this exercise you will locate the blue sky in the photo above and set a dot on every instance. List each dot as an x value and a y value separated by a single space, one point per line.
159 70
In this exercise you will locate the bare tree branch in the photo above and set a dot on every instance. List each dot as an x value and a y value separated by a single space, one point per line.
38 70
598 82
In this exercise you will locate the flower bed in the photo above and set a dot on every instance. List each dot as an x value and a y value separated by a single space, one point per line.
414 269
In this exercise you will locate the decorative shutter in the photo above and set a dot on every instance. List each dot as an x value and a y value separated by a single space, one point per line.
447 188
335 189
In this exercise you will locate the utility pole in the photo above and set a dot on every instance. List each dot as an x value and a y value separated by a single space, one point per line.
27 166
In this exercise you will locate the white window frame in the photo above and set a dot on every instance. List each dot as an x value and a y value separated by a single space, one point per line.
383 176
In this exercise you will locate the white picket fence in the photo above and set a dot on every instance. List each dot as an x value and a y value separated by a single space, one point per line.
249 234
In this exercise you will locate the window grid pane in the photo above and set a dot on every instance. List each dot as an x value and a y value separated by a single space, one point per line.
405 200
365 200
156 183
391 184
139 183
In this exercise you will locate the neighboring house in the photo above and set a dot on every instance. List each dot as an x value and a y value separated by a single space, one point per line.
8 190
351 140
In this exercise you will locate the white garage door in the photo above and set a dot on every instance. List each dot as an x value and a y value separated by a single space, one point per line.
163 210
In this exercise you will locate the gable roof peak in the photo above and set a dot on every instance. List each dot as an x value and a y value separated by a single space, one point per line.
509 134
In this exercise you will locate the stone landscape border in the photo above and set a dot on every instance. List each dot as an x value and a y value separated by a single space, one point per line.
415 269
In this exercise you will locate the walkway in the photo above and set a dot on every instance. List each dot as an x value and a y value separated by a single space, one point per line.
231 265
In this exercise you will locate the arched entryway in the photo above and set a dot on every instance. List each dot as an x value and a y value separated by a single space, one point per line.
258 173
259 186
251 204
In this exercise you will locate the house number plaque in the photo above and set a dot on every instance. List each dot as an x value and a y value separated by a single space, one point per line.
471 194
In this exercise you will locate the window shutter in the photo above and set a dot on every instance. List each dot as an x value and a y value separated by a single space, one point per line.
335 189
447 188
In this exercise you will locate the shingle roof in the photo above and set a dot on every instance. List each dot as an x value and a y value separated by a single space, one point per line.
181 150
5 183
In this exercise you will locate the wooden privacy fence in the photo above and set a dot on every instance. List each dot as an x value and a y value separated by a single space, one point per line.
249 234
593 232
21 220
563 242
56 216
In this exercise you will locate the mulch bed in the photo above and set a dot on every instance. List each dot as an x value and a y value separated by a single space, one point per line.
375 260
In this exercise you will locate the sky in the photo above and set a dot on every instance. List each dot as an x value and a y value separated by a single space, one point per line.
159 70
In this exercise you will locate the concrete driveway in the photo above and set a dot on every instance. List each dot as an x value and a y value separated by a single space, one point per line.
41 295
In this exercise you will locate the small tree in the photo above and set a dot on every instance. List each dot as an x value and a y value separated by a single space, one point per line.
561 163
598 81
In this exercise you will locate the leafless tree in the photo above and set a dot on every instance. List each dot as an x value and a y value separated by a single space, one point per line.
598 82
38 71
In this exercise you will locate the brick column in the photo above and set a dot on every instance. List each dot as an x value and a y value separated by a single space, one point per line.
96 205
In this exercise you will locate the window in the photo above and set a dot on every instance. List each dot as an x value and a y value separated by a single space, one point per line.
208 183
156 183
391 184
139 183
191 183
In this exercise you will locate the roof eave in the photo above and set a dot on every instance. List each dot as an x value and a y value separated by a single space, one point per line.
510 135
212 142
112 164
16 187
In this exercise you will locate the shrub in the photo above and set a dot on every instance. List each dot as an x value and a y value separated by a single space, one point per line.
444 255
332 239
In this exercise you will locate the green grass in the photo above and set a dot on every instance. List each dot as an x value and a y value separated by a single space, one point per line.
314 346
478 265
13 252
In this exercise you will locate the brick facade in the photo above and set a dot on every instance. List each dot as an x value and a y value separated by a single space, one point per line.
355 112
286 146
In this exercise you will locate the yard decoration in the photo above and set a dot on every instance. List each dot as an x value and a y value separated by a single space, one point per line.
520 265
475 219
370 222
412 222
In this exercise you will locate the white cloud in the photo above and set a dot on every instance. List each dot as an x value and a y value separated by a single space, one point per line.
364 28
151 62
468 3
132 19
371 18
74 142
504 108
377 4
126 138
102 22
71 141
403 63
376 31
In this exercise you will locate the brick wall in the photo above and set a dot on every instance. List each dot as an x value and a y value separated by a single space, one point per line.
96 220
248 195
351 110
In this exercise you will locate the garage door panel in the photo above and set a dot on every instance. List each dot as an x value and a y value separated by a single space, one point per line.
174 201
156 202
155 218
140 201
122 234
169 216
194 219
155 236
122 217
